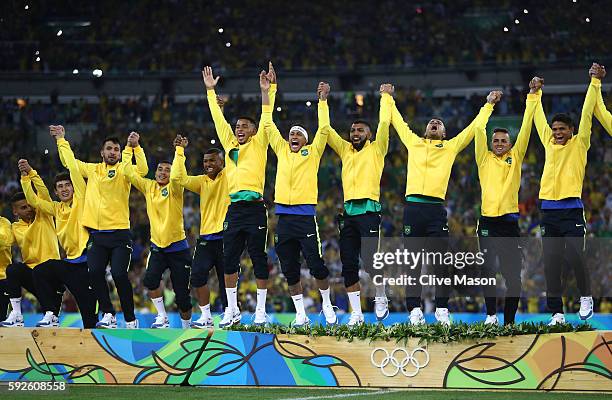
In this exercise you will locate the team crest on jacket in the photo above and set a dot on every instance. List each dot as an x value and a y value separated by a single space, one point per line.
509 160
439 145
407 229
225 226
304 152
275 238
485 232
111 173
164 192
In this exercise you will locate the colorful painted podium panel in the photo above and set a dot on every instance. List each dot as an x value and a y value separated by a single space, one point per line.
564 361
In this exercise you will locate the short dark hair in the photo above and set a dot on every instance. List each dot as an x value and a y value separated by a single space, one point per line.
18 196
112 139
62 176
164 162
565 118
251 120
214 150
362 121
504 130
436 117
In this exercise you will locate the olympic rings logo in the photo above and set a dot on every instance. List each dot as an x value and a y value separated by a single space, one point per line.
399 365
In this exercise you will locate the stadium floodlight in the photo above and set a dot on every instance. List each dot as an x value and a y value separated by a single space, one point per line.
525 11
506 29
308 104
37 59
97 72
37 52
228 44
516 21
26 7
587 19
279 109
59 33
220 30
213 141
46 151
75 71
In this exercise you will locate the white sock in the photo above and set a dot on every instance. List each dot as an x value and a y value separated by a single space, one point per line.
261 299
355 300
16 305
158 302
206 311
380 291
298 302
326 301
232 297
185 323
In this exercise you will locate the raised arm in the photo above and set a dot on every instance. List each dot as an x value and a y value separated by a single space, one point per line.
384 118
83 168
601 113
130 171
464 137
522 139
179 172
268 93
539 117
6 233
41 200
224 130
334 140
586 117
66 154
407 136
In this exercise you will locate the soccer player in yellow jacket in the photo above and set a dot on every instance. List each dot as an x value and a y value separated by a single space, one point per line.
563 224
601 113
499 171
430 161
214 201
34 234
246 222
296 196
107 217
6 257
362 166
169 247
73 237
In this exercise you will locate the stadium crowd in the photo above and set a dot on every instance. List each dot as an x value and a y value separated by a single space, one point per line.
183 36
159 119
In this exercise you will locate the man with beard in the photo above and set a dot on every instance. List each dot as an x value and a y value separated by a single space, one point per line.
106 215
169 247
296 195
429 167
563 224
246 222
362 166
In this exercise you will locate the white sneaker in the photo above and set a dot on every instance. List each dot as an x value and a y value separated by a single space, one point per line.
300 321
132 324
586 308
14 320
108 321
381 307
556 319
161 321
491 320
356 319
443 316
330 315
261 318
230 317
416 316
203 323
48 321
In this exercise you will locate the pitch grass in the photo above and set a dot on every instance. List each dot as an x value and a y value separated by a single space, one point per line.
91 392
